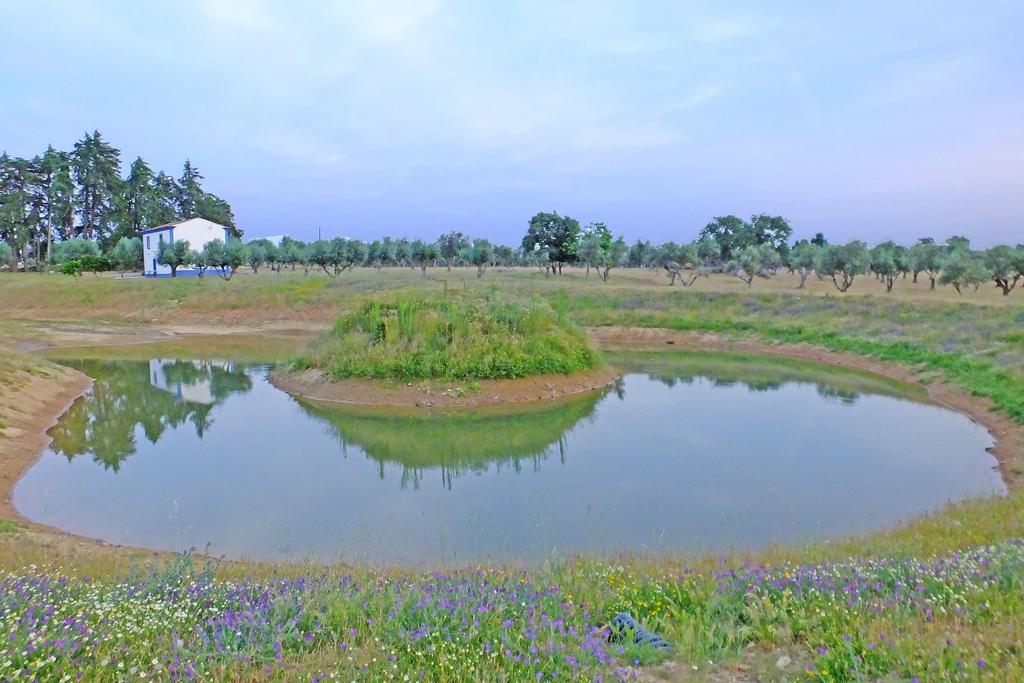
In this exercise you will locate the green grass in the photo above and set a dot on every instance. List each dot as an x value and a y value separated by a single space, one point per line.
452 335
950 604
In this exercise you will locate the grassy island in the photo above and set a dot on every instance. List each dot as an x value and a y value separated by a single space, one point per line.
459 334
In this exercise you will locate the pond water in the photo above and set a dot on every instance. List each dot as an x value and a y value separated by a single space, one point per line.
687 453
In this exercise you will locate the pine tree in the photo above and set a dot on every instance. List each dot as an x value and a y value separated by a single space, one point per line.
96 168
58 194
190 191
19 216
165 199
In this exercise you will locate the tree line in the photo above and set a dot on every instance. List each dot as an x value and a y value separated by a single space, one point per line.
81 194
759 248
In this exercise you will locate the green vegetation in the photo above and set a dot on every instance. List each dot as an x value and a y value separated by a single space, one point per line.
459 334
945 590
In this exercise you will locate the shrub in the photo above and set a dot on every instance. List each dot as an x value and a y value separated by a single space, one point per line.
454 335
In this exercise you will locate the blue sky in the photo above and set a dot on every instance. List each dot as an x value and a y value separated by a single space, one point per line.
860 119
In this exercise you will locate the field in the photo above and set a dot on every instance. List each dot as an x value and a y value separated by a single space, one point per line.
938 599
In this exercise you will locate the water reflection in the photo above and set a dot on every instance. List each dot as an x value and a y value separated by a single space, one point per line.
458 442
154 397
687 452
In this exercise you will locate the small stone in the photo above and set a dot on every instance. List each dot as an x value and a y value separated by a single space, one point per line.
783 662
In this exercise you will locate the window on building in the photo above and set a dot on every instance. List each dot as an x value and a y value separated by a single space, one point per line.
147 241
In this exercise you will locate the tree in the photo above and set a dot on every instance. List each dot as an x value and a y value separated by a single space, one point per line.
964 268
594 241
19 214
450 244
1006 266
6 255
127 254
423 254
612 256
589 251
75 248
709 253
165 200
558 235
882 262
235 256
731 234
802 259
843 263
139 204
504 255
480 255
227 258
819 239
321 254
754 260
58 192
772 230
190 191
256 256
174 255
641 254
927 256
96 169
200 260
685 256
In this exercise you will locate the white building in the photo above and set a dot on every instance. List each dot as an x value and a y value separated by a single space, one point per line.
198 385
197 231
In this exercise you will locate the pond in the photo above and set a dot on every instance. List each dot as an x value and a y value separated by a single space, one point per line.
687 453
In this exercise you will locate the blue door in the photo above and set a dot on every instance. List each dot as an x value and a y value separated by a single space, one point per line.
154 266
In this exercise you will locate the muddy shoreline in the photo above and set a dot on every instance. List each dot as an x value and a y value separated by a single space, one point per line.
314 385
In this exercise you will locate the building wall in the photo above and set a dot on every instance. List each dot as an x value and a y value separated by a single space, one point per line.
197 231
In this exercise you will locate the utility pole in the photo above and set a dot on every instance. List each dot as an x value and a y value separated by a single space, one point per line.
318 236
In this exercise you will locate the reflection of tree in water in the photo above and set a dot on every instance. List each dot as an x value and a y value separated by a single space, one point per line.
124 396
456 443
761 375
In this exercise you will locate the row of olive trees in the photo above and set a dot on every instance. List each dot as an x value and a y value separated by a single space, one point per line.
954 263
761 253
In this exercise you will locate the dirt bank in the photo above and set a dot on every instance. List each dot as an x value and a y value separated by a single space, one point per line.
1009 435
31 400
313 384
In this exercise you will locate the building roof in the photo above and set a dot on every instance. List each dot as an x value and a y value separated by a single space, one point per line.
167 226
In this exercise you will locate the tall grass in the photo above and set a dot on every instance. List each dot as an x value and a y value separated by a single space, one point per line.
453 334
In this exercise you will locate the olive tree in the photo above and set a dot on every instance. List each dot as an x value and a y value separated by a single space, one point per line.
685 256
801 260
927 256
611 257
423 254
754 260
450 245
882 262
1006 266
480 255
964 268
174 255
842 262
127 254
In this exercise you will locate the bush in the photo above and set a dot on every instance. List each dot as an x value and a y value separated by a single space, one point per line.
69 250
454 335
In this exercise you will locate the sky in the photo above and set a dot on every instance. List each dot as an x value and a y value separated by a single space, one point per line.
869 120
